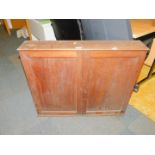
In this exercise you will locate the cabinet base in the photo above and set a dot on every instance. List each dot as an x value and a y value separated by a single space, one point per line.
68 113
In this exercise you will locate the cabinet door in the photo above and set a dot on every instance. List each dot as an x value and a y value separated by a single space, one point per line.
54 79
111 78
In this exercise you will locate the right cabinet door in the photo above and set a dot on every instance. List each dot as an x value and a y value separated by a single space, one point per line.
111 78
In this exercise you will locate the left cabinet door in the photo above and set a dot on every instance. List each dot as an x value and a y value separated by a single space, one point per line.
54 78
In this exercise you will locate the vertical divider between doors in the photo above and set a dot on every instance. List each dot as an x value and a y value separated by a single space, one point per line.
85 72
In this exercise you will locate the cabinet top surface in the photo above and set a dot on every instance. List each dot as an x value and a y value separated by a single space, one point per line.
83 45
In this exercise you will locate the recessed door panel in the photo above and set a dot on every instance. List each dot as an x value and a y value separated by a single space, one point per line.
54 81
110 82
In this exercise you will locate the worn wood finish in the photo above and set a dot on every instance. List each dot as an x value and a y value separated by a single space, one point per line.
81 77
54 79
111 80
83 45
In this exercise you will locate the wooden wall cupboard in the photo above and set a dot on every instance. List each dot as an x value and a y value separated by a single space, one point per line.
81 77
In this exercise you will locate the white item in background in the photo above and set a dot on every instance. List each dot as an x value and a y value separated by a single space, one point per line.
33 37
9 23
41 31
22 33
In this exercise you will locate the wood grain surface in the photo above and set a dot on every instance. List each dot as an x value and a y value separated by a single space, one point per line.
95 79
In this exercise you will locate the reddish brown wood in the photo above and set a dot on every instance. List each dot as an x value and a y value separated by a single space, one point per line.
54 79
81 77
112 76
83 45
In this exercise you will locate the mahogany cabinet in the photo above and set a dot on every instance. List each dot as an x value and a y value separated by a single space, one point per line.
81 77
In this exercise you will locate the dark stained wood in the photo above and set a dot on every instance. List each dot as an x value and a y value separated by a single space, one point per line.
93 79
